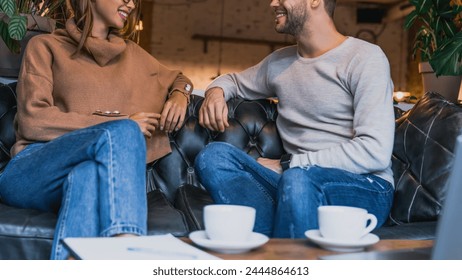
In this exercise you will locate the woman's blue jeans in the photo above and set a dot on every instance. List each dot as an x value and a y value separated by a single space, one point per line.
94 178
287 204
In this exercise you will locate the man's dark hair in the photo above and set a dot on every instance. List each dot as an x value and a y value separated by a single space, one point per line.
329 5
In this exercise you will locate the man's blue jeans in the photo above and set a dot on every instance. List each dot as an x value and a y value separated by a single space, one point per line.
287 204
93 177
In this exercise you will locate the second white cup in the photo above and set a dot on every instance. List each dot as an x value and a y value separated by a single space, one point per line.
232 223
345 223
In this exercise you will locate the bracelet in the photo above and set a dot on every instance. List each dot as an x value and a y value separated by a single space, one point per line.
186 93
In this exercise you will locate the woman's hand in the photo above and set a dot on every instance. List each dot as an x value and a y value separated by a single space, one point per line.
148 122
172 116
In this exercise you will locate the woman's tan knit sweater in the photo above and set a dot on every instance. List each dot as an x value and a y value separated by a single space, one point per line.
58 94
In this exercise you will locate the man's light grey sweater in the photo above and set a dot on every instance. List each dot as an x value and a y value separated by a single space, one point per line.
335 110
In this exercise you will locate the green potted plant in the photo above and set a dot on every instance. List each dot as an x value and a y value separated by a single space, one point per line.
19 21
439 41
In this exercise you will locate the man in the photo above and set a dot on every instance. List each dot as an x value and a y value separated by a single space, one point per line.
335 120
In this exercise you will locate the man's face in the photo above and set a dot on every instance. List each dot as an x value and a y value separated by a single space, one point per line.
291 15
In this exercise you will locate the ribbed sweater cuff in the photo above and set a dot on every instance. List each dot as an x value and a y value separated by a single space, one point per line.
299 160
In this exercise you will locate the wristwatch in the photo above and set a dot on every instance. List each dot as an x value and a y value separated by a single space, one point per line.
285 161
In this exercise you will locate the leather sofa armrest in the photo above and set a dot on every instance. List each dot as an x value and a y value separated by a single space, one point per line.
423 156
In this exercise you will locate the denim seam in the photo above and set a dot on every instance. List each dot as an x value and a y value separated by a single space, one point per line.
122 228
355 185
263 189
64 211
110 178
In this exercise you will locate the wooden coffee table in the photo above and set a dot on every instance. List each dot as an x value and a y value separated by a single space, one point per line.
302 249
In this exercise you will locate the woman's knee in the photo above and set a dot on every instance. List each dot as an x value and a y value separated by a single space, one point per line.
125 128
123 133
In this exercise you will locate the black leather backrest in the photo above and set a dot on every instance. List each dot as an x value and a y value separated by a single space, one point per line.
252 129
422 158
7 113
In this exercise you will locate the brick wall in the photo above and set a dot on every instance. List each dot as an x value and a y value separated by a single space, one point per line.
174 22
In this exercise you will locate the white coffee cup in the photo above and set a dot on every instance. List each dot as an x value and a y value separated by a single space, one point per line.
344 223
231 223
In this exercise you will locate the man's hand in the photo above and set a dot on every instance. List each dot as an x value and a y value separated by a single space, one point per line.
273 164
173 113
148 122
213 113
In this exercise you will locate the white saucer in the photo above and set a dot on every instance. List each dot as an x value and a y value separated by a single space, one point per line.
256 240
341 246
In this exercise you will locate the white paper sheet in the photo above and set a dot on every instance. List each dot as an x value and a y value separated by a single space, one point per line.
157 247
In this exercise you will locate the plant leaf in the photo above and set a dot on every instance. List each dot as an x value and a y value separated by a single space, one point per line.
12 45
447 60
424 6
8 7
449 28
17 27
410 19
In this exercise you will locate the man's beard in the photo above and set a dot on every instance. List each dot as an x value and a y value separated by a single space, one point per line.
295 21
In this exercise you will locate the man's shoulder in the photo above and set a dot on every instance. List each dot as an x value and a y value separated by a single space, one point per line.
284 53
288 50
358 52
363 47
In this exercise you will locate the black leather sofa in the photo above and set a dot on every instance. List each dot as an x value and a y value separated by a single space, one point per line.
422 158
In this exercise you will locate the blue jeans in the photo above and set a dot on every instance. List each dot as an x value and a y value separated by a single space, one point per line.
287 204
94 178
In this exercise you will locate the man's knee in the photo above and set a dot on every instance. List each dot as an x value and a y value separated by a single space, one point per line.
213 154
297 183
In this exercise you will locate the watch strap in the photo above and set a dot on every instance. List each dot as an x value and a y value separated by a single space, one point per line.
285 161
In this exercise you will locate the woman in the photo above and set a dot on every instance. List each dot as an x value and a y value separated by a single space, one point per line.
86 97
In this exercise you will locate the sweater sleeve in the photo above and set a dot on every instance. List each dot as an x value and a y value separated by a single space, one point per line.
371 146
37 118
251 83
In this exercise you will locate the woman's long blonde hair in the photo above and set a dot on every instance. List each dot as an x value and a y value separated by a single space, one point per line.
81 11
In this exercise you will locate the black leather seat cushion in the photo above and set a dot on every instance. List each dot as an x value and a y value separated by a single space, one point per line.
25 233
28 233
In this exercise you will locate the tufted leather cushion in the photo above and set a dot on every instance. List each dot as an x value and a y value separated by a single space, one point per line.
422 158
252 129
